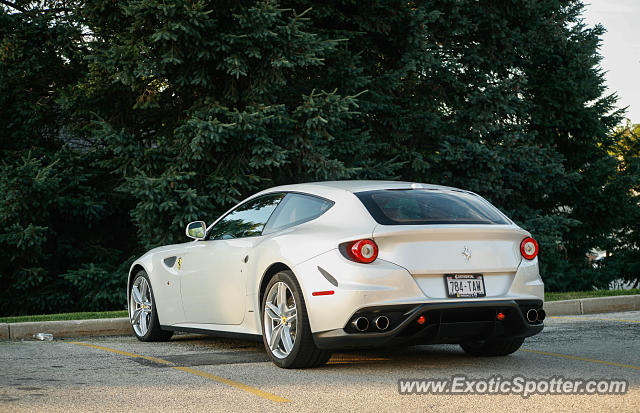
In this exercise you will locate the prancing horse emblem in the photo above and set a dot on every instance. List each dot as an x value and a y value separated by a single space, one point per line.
467 253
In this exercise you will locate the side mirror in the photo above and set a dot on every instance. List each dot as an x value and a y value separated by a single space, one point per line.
196 230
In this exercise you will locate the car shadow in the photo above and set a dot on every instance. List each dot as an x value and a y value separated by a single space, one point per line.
424 355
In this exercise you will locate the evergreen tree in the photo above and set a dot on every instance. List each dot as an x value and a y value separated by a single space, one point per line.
125 120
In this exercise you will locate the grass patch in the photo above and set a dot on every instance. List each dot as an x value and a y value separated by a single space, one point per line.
64 316
588 294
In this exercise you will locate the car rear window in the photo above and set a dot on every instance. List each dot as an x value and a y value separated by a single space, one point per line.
424 207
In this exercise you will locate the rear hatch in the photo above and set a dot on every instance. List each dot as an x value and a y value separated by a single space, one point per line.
446 234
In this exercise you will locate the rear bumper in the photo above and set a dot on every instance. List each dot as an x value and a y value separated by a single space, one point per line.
453 322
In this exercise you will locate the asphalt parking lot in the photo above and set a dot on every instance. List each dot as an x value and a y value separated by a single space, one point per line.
199 373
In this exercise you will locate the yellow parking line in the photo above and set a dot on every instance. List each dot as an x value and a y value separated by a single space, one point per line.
229 382
598 319
566 356
112 350
235 384
122 353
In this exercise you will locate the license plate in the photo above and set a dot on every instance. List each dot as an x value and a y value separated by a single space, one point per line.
465 285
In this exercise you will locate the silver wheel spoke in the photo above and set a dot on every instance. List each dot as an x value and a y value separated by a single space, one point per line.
135 317
275 337
144 289
272 314
291 318
282 297
274 309
286 338
143 324
135 294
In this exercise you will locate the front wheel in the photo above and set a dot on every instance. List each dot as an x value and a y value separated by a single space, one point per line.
285 327
142 311
493 347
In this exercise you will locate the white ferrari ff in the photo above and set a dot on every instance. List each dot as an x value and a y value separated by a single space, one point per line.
314 267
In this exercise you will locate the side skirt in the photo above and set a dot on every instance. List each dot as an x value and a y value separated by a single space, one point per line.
215 333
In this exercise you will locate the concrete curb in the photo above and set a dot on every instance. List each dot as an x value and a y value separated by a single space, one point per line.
4 331
121 326
70 328
593 305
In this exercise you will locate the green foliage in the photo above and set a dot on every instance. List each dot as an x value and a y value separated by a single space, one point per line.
123 121
99 286
53 225
40 55
623 241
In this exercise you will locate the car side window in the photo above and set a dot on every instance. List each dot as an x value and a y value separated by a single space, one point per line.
297 209
247 220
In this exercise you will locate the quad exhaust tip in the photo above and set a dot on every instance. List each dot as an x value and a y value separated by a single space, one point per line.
534 315
542 314
381 322
360 323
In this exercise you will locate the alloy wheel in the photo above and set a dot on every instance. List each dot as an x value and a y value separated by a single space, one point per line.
140 306
280 320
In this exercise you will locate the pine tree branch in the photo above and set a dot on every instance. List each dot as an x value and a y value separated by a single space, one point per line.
23 10
13 6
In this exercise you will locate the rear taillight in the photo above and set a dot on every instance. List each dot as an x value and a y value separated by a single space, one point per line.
529 248
363 250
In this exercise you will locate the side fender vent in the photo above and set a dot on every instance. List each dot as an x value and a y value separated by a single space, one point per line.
170 261
328 276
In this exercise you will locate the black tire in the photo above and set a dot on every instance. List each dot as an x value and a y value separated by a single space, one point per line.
154 332
304 353
494 347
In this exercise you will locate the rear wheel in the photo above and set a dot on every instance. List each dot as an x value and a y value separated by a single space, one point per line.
285 327
142 311
493 347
